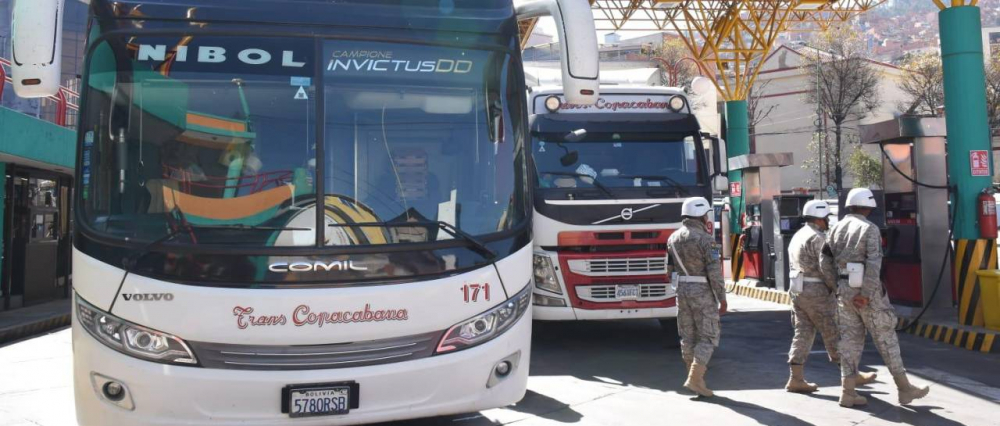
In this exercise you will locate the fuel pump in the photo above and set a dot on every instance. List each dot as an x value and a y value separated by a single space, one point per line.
763 247
790 220
914 218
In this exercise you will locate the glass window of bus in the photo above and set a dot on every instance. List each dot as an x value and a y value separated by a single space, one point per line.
210 135
616 160
420 134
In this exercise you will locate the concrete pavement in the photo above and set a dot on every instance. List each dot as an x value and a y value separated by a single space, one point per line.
624 373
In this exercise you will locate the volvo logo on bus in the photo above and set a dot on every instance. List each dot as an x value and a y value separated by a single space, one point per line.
336 265
627 213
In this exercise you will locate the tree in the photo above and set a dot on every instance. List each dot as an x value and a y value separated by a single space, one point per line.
756 113
844 83
865 168
923 84
818 164
676 64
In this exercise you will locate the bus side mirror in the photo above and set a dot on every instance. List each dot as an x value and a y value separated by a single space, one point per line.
578 41
36 47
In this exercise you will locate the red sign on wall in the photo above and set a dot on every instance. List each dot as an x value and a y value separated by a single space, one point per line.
735 189
979 162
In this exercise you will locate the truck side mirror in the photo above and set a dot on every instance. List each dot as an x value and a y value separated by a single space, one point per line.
578 40
720 161
36 47
720 183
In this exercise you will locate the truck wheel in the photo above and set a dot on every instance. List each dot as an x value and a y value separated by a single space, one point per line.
669 328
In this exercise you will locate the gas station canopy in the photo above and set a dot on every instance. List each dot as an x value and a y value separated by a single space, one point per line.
728 38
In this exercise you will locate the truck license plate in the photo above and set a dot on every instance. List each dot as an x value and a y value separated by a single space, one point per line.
319 401
627 292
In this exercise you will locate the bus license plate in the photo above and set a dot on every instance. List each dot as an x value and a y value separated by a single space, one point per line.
627 292
319 401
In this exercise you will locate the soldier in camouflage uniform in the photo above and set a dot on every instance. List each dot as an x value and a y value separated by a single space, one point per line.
813 303
814 307
855 244
701 292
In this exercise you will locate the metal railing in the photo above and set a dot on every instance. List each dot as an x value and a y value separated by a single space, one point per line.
61 109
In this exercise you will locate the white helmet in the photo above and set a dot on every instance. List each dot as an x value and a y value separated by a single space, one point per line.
818 209
861 197
695 207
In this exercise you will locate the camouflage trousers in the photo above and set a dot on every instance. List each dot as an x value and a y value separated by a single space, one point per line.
697 321
815 309
879 319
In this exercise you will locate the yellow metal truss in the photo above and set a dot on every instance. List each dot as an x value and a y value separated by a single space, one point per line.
728 38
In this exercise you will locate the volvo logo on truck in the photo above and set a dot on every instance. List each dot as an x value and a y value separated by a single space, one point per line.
336 265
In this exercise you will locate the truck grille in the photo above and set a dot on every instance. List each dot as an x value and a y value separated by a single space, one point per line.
315 357
619 266
608 293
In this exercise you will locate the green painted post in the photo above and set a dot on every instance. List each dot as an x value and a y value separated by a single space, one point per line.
965 107
968 138
737 143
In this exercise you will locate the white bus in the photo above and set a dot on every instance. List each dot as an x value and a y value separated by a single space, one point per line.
300 212
609 182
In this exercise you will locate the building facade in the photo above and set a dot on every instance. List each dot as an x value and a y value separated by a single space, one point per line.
37 157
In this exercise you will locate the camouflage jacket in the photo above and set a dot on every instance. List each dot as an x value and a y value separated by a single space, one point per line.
696 249
854 240
803 254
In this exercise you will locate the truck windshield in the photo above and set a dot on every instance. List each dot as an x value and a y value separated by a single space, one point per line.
615 161
232 139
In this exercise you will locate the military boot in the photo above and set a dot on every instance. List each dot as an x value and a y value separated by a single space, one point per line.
849 397
696 380
797 381
863 378
908 392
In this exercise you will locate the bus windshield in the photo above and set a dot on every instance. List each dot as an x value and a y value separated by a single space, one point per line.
254 141
615 161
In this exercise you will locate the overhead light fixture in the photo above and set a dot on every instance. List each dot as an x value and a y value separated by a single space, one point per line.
667 4
812 4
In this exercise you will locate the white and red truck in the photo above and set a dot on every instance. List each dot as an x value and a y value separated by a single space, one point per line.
609 182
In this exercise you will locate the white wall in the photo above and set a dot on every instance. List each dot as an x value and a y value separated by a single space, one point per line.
790 126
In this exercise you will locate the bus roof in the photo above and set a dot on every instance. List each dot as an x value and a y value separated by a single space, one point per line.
479 16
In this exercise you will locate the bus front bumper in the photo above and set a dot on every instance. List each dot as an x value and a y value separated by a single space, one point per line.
172 395
566 313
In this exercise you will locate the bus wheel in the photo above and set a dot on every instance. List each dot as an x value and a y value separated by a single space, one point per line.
669 329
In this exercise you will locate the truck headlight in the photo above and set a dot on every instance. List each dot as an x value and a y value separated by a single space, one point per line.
487 325
545 274
132 339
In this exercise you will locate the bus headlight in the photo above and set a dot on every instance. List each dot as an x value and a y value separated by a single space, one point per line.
545 274
132 339
487 325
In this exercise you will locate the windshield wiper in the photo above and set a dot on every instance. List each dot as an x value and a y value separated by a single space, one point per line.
594 181
129 262
473 243
673 183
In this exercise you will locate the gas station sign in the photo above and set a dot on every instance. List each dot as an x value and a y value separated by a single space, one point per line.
735 189
979 162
